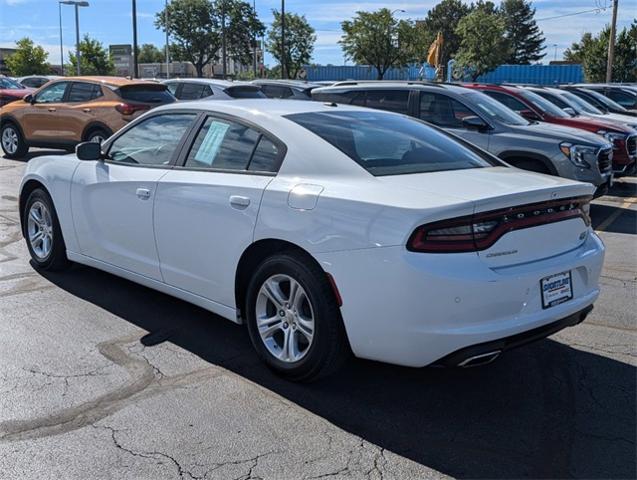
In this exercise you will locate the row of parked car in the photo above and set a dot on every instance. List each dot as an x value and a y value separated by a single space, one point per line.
576 131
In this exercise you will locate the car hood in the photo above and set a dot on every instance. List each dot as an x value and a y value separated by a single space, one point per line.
12 92
590 123
559 133
619 118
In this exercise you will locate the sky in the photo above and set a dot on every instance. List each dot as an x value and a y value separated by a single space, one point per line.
110 21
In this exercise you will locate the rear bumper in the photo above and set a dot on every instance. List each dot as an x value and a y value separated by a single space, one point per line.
485 350
414 309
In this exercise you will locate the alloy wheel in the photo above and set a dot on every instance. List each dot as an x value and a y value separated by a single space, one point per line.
40 230
10 140
285 318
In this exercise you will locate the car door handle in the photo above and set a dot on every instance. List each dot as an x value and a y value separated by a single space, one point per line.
52 109
86 110
143 193
239 202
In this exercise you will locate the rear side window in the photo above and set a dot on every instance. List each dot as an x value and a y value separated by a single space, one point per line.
277 91
172 87
84 92
245 91
193 91
152 141
350 97
386 144
222 144
266 157
146 93
390 100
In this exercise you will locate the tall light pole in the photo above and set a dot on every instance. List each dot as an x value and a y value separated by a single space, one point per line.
611 44
77 4
167 40
61 44
135 60
555 54
254 43
224 53
284 62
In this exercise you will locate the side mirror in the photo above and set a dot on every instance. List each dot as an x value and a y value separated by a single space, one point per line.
530 115
570 111
473 122
28 98
89 151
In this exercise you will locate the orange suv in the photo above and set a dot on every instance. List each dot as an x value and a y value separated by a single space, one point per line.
71 110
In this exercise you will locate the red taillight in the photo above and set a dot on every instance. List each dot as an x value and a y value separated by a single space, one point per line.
480 231
130 108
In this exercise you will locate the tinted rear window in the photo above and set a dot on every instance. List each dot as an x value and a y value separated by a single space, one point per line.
146 93
386 144
245 92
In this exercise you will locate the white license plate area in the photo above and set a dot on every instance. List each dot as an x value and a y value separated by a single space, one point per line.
556 289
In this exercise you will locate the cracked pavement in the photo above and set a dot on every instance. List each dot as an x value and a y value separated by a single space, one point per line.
104 379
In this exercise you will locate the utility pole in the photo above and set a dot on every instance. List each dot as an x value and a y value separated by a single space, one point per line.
61 45
77 4
224 53
611 44
284 69
167 40
254 43
135 52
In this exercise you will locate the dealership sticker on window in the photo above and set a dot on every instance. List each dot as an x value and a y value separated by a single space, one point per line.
210 146
556 289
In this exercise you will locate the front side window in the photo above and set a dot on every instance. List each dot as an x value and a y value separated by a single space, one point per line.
10 84
581 104
152 141
495 110
385 144
390 100
626 100
84 92
543 104
222 144
52 94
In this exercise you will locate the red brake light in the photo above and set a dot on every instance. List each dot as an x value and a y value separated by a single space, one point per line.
130 108
480 231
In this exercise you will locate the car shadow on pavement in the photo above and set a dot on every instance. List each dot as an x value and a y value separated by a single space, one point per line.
40 153
622 220
623 189
547 410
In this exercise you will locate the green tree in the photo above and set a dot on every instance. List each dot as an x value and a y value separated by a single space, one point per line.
483 45
242 26
149 53
299 42
444 17
592 52
525 37
380 40
29 59
194 28
94 58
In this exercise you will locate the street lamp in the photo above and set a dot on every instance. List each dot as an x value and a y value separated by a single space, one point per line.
77 4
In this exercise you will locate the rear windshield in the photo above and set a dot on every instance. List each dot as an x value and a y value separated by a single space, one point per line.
387 144
10 84
158 93
245 91
543 104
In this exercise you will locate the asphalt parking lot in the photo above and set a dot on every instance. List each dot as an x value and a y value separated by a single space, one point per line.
104 379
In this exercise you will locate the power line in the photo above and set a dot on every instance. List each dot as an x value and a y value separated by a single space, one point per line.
596 10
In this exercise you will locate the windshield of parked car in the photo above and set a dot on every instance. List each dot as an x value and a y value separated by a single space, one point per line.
604 100
387 144
9 84
543 104
494 110
581 106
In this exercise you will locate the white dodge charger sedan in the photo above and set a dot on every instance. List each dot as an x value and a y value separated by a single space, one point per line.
325 229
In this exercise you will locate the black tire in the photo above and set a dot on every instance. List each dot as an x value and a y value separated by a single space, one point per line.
97 132
21 148
56 259
529 164
329 348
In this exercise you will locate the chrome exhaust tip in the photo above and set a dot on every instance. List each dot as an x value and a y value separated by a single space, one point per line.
479 360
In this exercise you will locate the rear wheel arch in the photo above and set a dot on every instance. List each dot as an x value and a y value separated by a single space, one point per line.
519 158
256 253
92 127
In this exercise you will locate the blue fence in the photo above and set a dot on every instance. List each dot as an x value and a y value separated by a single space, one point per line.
365 72
535 74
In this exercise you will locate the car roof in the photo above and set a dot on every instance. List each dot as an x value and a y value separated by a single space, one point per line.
396 85
210 81
287 83
112 81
